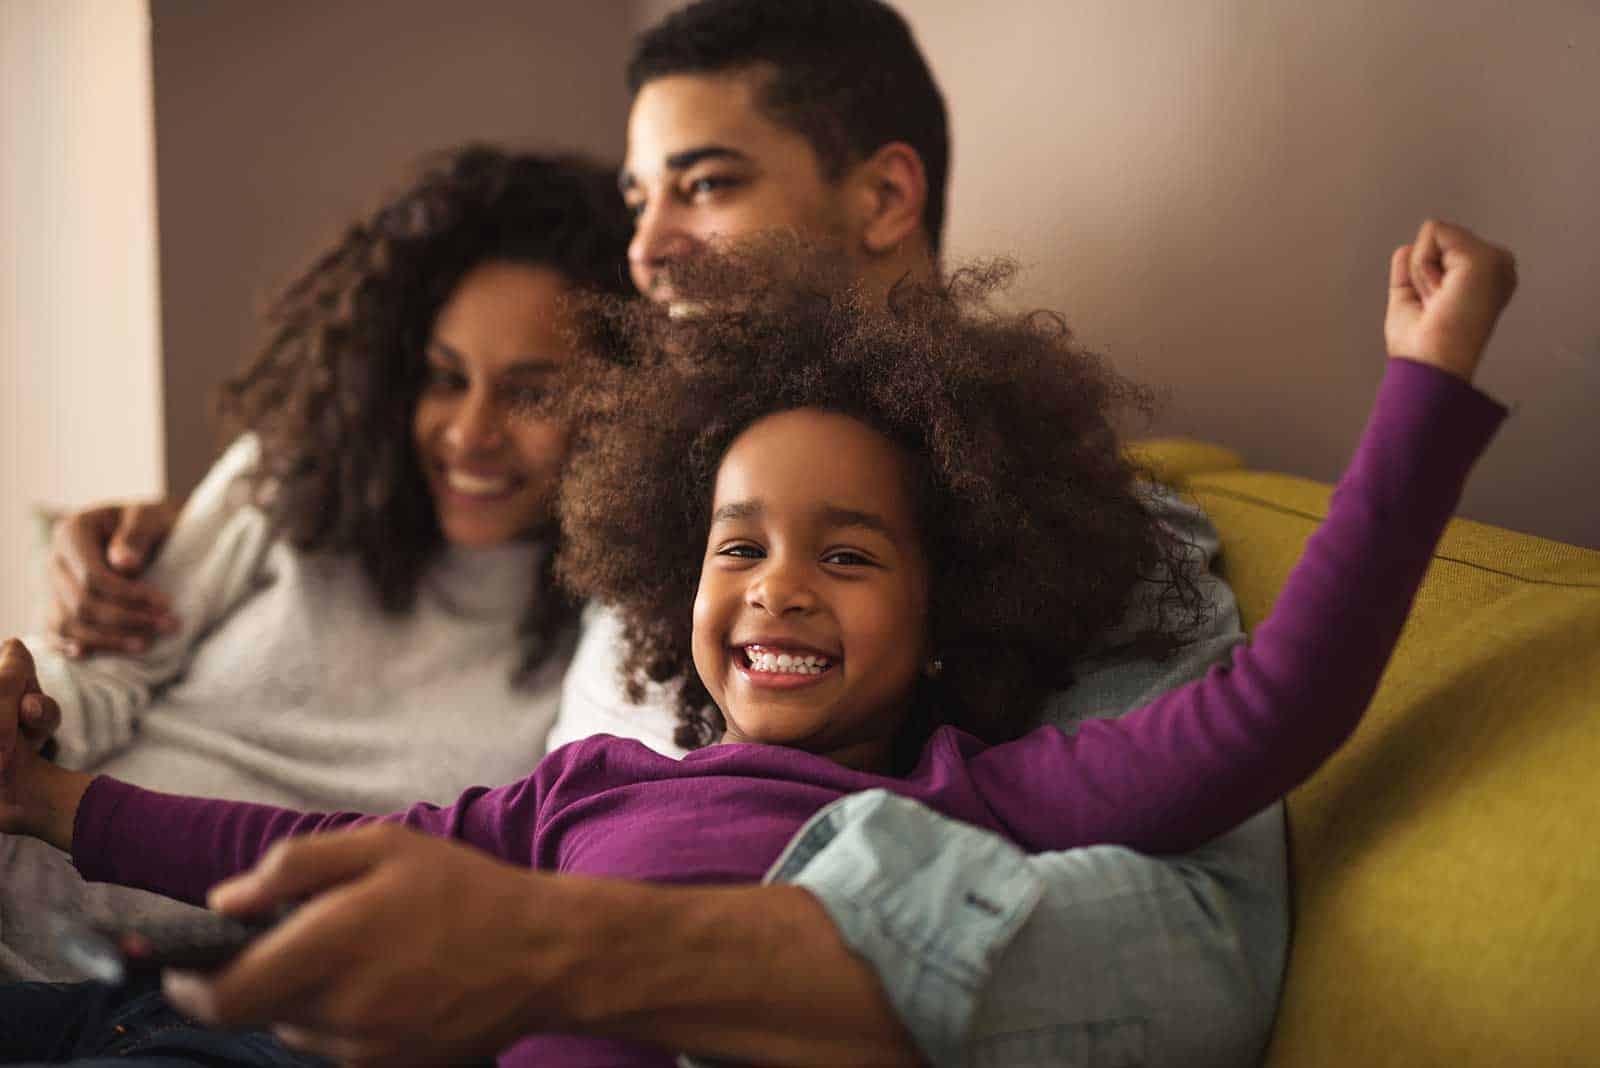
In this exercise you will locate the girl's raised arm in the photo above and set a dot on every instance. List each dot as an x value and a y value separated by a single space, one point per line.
1202 758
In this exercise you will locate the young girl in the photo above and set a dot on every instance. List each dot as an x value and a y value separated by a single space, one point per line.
864 544
374 552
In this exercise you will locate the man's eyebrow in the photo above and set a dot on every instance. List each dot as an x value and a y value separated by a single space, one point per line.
682 161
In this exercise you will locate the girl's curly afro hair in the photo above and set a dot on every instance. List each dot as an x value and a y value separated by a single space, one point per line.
1031 518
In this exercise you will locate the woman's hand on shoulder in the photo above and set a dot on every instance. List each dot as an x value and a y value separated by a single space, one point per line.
98 605
1446 292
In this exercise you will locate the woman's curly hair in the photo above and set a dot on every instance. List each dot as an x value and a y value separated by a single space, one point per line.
332 393
1031 518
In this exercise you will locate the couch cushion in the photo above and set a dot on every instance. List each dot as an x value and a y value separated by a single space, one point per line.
1172 460
1447 861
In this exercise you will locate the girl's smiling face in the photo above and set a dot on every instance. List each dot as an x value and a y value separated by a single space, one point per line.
495 349
810 621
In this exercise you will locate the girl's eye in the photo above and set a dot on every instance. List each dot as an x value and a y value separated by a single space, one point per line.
847 558
741 552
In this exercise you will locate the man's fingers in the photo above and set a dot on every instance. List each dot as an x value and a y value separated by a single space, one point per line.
81 639
345 1051
104 611
79 540
105 585
68 589
77 583
296 868
111 615
83 542
139 529
202 997
284 974
78 621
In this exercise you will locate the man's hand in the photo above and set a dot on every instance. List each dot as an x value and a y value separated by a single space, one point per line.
98 606
36 797
1446 291
409 949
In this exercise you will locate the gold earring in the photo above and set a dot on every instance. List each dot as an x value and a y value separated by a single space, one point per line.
934 667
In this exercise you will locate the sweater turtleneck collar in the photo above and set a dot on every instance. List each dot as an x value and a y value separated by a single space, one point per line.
494 582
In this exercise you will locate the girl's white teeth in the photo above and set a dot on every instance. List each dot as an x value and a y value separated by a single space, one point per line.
786 663
475 486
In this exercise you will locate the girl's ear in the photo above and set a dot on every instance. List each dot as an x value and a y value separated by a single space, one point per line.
891 190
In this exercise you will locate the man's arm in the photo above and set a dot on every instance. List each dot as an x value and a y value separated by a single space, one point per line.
754 974
994 957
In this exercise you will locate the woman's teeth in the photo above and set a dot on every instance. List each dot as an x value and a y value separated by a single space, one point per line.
476 486
786 663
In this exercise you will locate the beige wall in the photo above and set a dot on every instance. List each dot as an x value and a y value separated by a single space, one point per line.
277 122
1210 192
80 403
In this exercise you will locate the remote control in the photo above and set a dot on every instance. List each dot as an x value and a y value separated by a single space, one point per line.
114 952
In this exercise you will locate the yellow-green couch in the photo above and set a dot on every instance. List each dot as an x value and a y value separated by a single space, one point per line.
1446 862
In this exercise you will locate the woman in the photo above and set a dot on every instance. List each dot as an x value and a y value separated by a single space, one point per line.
362 581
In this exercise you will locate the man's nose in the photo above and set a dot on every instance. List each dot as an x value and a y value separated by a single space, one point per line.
659 238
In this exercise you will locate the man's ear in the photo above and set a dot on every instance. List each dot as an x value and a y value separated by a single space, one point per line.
891 191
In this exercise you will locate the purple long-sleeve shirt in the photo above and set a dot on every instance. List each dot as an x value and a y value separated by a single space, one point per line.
1162 779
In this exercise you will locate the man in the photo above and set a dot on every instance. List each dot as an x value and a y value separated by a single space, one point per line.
889 935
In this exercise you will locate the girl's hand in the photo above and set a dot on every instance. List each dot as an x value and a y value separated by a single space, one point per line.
36 797
1446 290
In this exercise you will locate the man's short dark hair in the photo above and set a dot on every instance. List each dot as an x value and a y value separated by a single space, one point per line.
848 77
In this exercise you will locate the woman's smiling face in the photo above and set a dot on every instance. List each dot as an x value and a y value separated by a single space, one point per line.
810 622
491 461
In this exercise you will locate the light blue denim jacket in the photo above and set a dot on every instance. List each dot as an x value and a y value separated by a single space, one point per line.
1094 956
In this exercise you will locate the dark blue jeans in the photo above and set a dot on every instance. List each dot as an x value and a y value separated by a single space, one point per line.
98 1025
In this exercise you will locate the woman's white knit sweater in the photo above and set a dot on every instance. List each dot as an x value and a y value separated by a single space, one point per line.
287 685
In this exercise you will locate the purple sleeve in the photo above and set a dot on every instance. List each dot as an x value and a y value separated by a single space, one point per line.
182 846
1202 758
